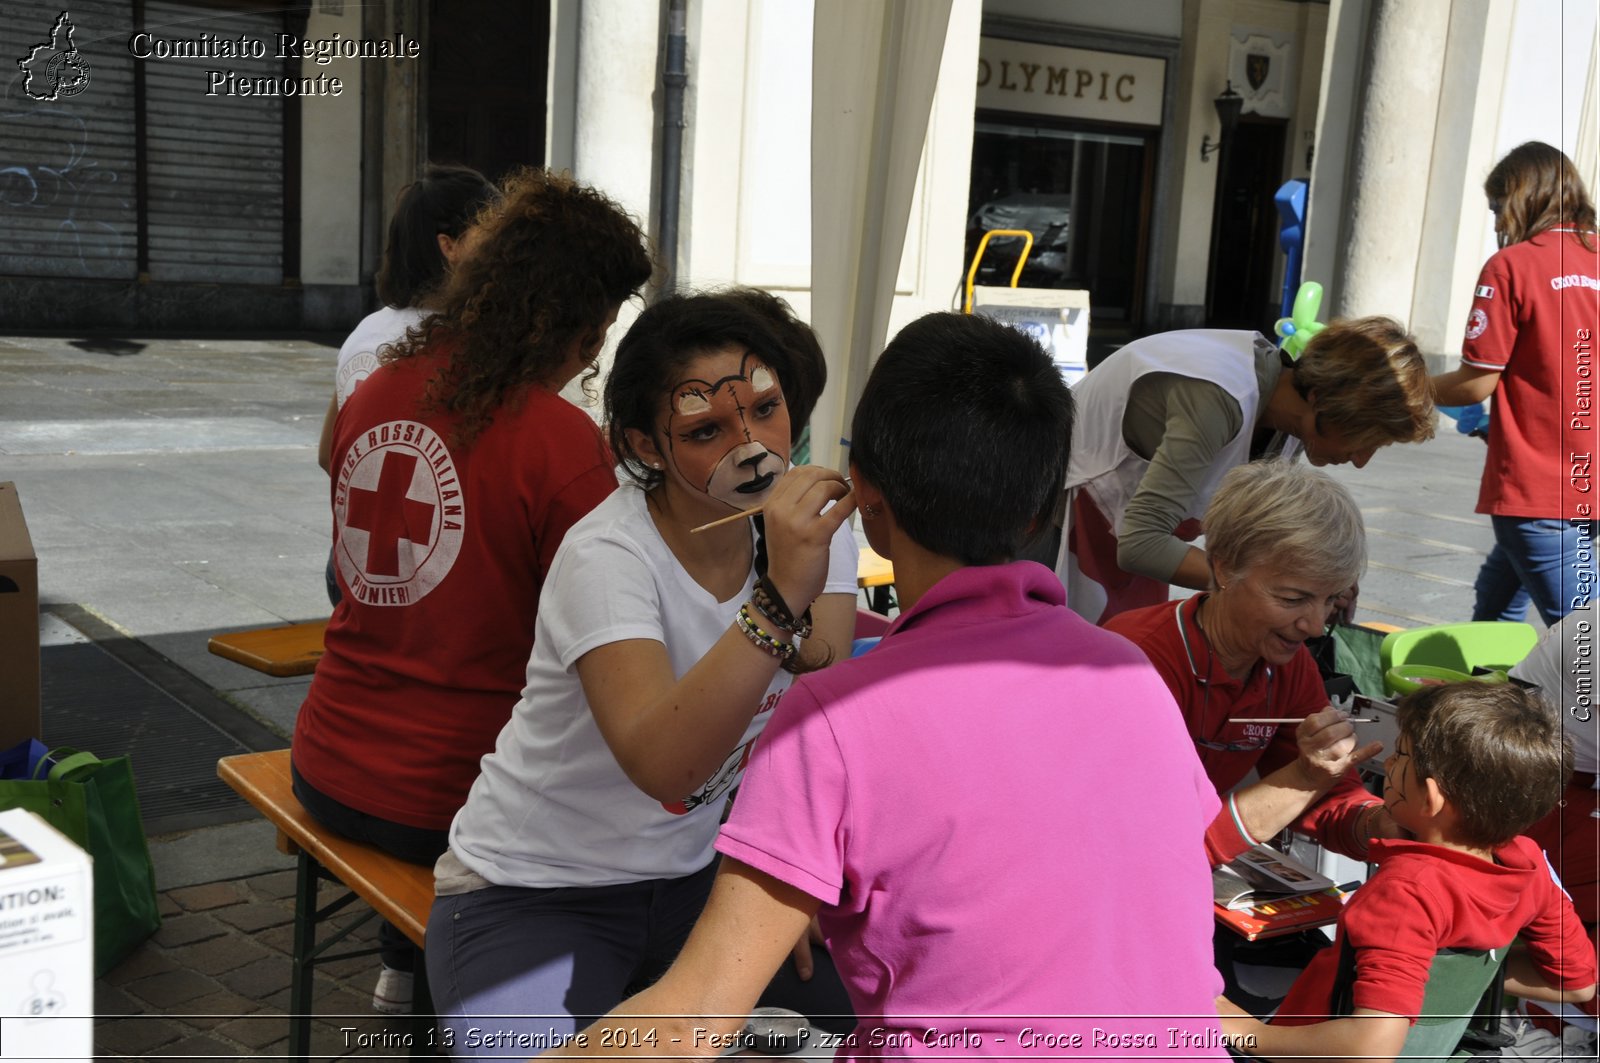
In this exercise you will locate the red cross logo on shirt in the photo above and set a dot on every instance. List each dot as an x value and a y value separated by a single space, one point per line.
388 515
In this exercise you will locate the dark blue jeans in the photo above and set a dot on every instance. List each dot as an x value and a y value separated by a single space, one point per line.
510 967
416 845
334 594
1550 561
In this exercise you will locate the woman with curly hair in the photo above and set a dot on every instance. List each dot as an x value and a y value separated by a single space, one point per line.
1529 343
457 469
428 235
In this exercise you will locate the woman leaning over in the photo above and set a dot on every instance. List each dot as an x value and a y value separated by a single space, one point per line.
1529 343
457 471
1282 542
583 854
1165 417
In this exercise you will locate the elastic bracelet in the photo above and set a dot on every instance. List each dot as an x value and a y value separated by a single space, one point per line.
1238 822
765 640
772 606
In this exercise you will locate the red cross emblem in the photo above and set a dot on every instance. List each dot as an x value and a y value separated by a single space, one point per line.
400 511
387 515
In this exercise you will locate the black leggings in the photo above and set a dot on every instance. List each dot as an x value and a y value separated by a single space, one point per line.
415 845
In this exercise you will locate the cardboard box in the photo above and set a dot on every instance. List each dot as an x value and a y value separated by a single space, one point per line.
46 942
19 625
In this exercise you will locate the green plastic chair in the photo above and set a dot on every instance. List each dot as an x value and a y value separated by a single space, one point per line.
1497 644
1459 980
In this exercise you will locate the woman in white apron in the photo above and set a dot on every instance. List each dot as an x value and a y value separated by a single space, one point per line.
1165 417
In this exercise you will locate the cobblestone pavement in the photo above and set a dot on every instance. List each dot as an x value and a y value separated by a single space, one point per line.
213 982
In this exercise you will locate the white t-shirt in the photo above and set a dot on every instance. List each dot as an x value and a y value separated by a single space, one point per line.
551 806
358 357
1562 665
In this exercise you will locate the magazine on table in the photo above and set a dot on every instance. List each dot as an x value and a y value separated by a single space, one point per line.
1262 875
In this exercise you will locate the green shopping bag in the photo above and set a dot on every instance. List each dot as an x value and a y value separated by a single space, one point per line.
92 801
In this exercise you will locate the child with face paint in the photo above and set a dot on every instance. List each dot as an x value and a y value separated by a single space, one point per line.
584 852
1474 766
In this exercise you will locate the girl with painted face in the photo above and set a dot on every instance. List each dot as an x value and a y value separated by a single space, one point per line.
584 852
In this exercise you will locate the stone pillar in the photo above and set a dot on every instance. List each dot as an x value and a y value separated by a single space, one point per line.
615 131
403 101
1391 158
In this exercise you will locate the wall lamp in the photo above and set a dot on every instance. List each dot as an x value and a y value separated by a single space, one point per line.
1229 104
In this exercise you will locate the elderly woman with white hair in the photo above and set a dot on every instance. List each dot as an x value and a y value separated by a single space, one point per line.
1282 542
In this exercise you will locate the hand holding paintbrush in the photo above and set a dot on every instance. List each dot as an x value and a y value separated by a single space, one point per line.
741 515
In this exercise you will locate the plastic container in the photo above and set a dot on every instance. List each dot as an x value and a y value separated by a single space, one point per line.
1410 678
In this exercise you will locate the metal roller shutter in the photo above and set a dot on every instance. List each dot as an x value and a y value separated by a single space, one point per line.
68 184
215 163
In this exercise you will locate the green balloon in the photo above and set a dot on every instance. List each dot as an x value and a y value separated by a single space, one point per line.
1296 330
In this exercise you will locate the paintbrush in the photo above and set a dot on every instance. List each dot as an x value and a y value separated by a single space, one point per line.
1297 719
743 513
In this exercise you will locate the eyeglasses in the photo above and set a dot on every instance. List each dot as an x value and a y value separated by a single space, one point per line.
1251 744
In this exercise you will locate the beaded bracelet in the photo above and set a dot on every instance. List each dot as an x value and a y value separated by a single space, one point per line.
772 606
765 640
799 628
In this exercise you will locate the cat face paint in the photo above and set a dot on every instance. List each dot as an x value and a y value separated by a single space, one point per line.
727 430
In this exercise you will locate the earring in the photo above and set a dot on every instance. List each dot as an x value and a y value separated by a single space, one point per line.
870 512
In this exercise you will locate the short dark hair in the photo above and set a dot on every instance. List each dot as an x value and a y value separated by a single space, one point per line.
810 365
1495 750
445 200
666 338
965 425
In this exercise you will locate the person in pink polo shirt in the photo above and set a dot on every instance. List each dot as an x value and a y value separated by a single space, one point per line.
993 867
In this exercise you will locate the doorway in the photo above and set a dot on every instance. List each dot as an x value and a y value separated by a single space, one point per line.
487 61
1244 261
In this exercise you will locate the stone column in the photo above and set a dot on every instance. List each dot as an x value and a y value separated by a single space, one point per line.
615 131
1391 157
615 127
403 100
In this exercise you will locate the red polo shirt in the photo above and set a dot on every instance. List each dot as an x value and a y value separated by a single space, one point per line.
1208 696
1534 319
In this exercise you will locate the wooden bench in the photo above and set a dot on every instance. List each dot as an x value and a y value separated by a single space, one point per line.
398 891
294 649
875 575
287 650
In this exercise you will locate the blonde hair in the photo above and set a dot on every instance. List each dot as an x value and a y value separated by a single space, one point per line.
1280 513
1366 380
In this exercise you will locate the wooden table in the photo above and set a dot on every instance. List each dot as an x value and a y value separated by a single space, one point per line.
875 575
